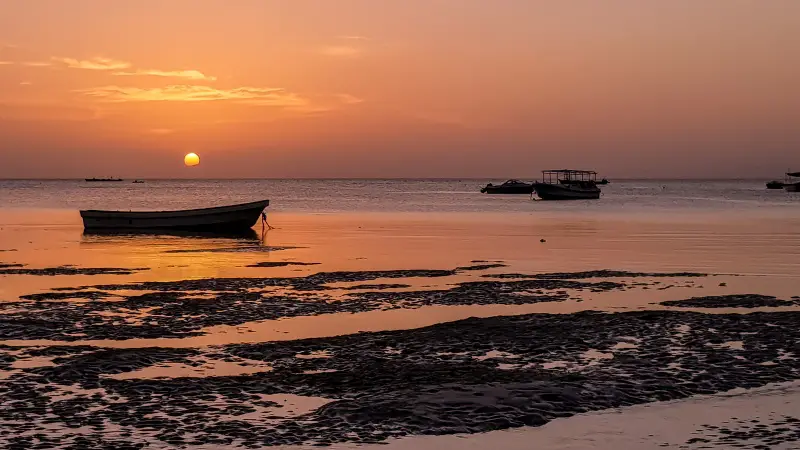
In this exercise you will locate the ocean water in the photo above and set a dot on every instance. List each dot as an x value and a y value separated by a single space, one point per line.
90 322
331 196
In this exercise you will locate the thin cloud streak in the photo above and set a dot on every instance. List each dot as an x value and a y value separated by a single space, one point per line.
349 99
189 93
286 99
342 51
160 131
354 38
96 63
188 74
36 64
108 64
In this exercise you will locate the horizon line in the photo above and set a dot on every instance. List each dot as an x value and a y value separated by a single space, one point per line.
374 178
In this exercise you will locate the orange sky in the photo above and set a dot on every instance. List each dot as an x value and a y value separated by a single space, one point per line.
411 88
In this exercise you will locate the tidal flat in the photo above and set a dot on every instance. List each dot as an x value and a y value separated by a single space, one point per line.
404 331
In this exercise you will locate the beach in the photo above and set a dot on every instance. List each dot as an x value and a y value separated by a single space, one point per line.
413 313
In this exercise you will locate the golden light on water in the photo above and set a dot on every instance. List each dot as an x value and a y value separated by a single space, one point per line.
191 159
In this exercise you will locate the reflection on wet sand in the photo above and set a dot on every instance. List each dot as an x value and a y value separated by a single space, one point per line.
391 241
196 368
121 234
762 418
470 376
410 324
634 297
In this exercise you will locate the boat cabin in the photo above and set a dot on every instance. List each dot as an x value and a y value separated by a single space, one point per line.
792 184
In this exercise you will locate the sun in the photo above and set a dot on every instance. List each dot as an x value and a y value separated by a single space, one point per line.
191 159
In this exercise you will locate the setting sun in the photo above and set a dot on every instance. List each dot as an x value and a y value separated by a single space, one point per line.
191 159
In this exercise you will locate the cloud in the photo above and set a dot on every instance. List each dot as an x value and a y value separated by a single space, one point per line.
100 63
280 98
96 63
348 50
312 109
349 99
188 74
120 67
189 93
26 63
25 83
342 51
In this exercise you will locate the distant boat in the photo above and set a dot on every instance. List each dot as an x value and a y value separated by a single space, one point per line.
137 181
603 181
509 187
567 184
97 180
230 218
775 184
792 185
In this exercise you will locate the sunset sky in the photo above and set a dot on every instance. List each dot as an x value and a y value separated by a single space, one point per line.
398 88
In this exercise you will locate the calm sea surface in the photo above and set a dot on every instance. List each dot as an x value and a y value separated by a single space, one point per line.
390 196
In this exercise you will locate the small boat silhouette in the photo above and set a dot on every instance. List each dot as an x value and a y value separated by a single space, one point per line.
97 180
509 187
227 218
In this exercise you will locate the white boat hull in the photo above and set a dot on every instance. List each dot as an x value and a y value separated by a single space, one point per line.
224 218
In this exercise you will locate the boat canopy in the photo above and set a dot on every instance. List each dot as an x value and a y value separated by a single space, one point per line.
569 175
793 174
570 171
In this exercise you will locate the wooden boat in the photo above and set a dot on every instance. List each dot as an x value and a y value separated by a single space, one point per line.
792 184
230 218
249 234
567 184
98 180
509 187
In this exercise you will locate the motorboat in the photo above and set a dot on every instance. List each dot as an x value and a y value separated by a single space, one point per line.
137 181
603 181
509 187
792 183
230 218
567 184
775 184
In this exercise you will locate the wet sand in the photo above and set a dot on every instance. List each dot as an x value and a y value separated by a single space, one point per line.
383 327
756 418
